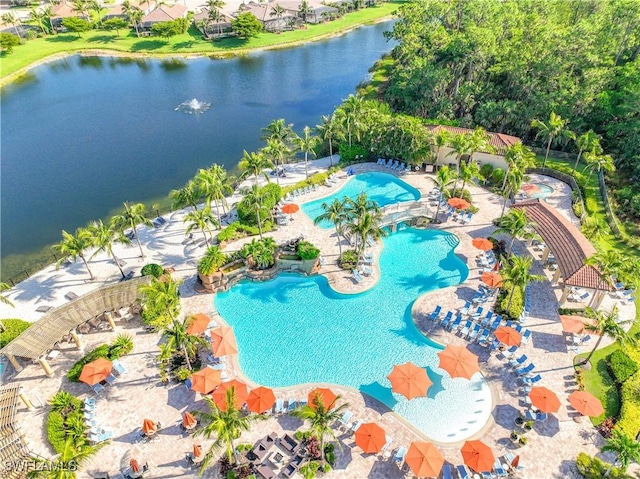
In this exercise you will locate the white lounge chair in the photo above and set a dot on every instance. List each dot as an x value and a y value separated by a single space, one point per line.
357 276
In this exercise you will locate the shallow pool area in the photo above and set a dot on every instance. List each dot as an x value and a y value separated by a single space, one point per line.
383 188
544 191
295 330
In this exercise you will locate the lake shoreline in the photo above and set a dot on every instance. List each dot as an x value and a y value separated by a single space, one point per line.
105 52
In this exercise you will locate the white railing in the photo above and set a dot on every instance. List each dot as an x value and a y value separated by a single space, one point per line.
393 214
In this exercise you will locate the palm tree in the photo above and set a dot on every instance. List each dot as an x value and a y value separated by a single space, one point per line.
598 162
278 130
161 297
177 338
131 217
4 299
348 114
594 228
478 141
80 6
304 9
95 7
227 426
469 172
321 417
306 143
512 182
444 177
328 130
626 448
518 157
74 246
277 151
555 128
277 11
607 325
610 264
103 238
366 225
460 146
215 185
441 139
255 197
359 206
40 19
188 195
588 141
262 252
254 164
11 19
134 14
516 225
76 452
335 212
515 271
201 220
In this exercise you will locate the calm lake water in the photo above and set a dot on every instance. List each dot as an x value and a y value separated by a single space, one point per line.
81 135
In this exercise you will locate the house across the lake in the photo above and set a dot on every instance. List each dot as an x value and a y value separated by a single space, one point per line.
163 13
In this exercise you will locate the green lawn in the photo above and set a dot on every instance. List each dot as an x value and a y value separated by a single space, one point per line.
190 43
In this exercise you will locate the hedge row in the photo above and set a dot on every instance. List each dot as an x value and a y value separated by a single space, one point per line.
594 468
629 422
621 365
517 303
13 329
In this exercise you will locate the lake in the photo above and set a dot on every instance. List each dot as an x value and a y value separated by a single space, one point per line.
81 135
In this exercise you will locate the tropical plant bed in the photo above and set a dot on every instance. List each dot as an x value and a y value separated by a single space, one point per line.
65 420
122 345
12 329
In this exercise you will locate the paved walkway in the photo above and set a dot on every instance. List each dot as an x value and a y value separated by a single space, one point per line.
552 447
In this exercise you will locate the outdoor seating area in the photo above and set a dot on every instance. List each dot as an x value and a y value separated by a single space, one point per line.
394 165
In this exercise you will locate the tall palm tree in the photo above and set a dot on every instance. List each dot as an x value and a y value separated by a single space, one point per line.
444 177
478 141
518 157
304 9
277 11
321 417
277 151
103 238
588 141
131 217
516 225
11 19
40 19
254 164
594 228
610 264
359 206
366 225
512 182
607 324
77 452
75 246
469 172
336 212
177 338
255 197
188 195
515 271
555 128
161 297
348 115
95 7
598 162
201 220
278 130
134 14
460 146
626 448
306 143
440 139
215 4
328 130
227 426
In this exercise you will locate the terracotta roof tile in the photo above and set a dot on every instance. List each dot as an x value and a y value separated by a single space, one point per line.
165 14
499 141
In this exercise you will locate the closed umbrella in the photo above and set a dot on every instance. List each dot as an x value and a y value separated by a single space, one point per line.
458 203
260 399
189 421
544 399
509 336
205 380
223 341
370 437
149 427
491 279
290 208
96 371
482 244
424 459
197 450
325 395
199 323
586 403
478 456
240 393
458 361
409 380
133 464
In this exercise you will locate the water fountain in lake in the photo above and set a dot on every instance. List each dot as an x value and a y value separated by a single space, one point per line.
193 106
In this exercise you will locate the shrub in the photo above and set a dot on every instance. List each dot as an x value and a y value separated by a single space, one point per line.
594 468
55 431
348 259
65 420
629 422
622 366
182 374
486 171
211 261
122 345
151 269
309 470
274 192
228 233
247 214
348 153
315 179
13 329
497 177
517 303
63 402
307 250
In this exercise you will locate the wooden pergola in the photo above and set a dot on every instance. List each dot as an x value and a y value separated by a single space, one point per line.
570 248
13 448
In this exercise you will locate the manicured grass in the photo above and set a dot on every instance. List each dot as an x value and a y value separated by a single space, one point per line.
190 43
380 73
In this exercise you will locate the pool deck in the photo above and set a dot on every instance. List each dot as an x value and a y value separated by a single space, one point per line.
552 445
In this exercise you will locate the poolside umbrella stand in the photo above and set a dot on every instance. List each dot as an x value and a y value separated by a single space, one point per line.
223 341
149 427
424 459
324 395
189 421
573 324
134 465
491 279
96 371
458 361
205 380
290 208
508 336
260 400
458 203
544 399
586 403
198 324
370 437
482 244
240 392
409 380
478 456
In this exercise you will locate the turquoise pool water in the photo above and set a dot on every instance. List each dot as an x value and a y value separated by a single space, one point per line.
296 330
544 193
383 188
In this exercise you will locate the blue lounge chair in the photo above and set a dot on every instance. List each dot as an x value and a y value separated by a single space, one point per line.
478 312
487 319
466 327
456 323
510 352
279 407
436 312
519 361
531 381
465 309
529 414
473 334
97 388
447 318
118 367
463 472
496 322
499 470
356 425
346 417
292 404
484 336
526 336
526 370
400 453
447 472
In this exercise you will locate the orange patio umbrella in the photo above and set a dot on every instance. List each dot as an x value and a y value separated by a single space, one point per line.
240 391
326 395
424 459
544 399
409 380
586 403
223 341
459 203
260 400
458 361
197 450
133 464
198 324
149 427
188 420
205 380
509 336
491 279
96 371
290 208
573 324
482 244
478 456
370 437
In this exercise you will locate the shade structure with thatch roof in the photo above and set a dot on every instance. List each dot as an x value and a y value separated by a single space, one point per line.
458 361
223 341
424 459
240 394
370 437
409 380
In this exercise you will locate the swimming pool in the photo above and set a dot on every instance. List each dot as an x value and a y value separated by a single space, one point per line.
544 191
294 330
383 188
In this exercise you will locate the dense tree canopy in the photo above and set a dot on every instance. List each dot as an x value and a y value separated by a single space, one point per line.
501 64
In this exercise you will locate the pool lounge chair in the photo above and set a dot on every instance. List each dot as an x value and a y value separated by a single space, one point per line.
357 276
526 335
510 352
499 470
447 318
436 312
478 312
525 370
367 270
531 381
482 339
463 472
97 388
456 323
386 449
465 329
447 472
399 455
473 334
346 417
356 425
519 361
465 309
279 406
292 404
